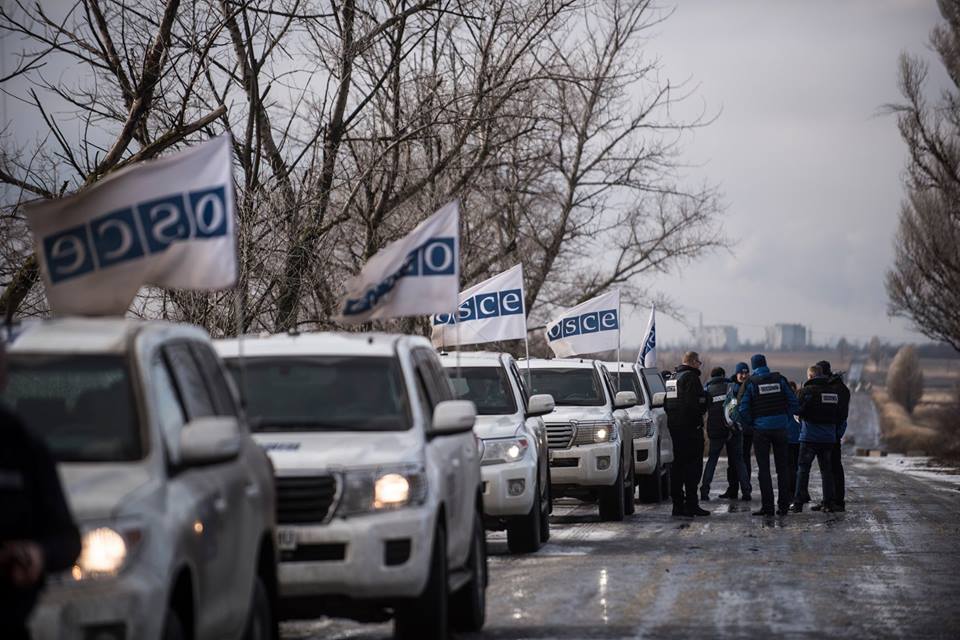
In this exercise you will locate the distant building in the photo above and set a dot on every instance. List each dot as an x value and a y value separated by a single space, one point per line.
717 338
786 337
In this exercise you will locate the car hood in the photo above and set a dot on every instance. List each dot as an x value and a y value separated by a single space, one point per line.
295 451
99 491
566 414
503 426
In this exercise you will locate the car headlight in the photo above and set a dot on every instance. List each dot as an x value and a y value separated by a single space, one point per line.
642 427
595 432
370 490
105 551
501 450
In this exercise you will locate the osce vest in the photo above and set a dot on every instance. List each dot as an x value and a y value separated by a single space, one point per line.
672 401
769 398
716 396
822 403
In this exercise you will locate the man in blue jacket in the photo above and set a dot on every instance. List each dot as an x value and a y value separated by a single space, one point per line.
820 414
767 402
722 435
744 433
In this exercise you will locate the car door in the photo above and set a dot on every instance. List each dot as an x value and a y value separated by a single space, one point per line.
654 384
215 555
535 425
621 418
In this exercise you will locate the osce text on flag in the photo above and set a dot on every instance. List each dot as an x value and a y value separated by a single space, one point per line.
492 304
436 257
134 232
593 322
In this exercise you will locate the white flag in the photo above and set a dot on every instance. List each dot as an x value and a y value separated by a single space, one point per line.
167 222
488 312
416 275
589 327
648 350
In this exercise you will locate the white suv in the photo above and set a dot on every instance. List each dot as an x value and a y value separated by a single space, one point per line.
591 448
173 497
380 509
516 458
652 446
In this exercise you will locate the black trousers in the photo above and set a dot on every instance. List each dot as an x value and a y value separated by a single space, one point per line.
763 441
793 461
836 470
732 477
823 453
687 464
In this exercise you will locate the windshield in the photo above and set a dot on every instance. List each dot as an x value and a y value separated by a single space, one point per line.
628 382
323 393
488 387
570 387
81 406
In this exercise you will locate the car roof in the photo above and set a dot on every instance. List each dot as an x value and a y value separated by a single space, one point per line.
559 363
89 335
319 343
472 358
622 366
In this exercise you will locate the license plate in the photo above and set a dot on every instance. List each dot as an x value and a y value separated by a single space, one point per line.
287 539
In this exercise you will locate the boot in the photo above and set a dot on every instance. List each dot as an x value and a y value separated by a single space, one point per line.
796 506
695 510
679 511
784 510
840 506
729 494
817 507
763 512
746 497
704 497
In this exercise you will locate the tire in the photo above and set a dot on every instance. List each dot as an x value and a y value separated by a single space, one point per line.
629 506
426 616
524 534
172 626
261 623
468 606
545 514
611 499
651 486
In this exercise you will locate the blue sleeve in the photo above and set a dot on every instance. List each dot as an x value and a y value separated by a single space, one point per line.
793 405
743 409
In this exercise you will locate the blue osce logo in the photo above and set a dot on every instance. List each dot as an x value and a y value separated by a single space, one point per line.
592 322
435 257
134 232
493 304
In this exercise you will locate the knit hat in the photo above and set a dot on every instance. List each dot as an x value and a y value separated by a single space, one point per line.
742 367
757 361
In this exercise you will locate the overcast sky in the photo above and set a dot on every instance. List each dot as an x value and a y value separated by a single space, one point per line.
810 171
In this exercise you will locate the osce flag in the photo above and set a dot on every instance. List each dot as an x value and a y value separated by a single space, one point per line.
416 275
488 312
647 357
166 222
589 327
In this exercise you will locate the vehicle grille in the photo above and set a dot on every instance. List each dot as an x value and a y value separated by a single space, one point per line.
302 499
641 428
559 435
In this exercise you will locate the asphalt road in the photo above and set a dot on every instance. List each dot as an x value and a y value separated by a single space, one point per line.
888 567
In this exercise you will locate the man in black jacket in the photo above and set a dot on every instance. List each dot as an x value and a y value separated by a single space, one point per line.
37 533
836 464
722 435
686 403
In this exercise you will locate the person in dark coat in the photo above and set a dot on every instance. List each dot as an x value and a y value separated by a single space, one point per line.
37 533
767 403
686 404
793 447
745 435
721 435
836 463
820 414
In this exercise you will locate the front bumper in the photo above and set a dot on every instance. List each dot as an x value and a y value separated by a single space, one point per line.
129 606
497 478
372 556
582 464
645 455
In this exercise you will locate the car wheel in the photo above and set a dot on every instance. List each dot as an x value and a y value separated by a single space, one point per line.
524 533
172 626
629 506
468 606
545 514
611 499
261 625
426 615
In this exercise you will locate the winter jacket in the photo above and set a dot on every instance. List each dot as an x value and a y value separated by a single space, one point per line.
751 397
716 390
734 392
793 430
687 408
824 404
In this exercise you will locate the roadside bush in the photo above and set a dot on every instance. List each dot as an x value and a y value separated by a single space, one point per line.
905 379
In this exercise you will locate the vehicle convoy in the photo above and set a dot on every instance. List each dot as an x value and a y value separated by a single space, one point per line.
652 446
380 508
515 460
588 432
174 498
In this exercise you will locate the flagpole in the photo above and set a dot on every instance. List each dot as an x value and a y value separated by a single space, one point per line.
526 349
238 310
619 334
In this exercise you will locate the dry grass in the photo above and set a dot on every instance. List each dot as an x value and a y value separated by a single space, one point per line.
934 427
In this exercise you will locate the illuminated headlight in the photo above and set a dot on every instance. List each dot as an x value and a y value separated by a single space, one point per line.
602 434
500 450
105 551
366 491
595 432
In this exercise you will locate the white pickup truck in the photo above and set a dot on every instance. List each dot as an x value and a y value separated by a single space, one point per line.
173 497
515 463
380 507
652 446
591 446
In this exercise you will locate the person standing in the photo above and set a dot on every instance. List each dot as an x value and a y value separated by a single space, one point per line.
836 464
685 405
721 435
37 533
744 434
767 403
820 415
793 446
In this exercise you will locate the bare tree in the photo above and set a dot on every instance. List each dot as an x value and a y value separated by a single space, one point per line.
905 378
924 283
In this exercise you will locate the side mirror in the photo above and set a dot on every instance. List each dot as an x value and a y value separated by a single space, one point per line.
540 405
209 440
624 400
658 399
453 416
